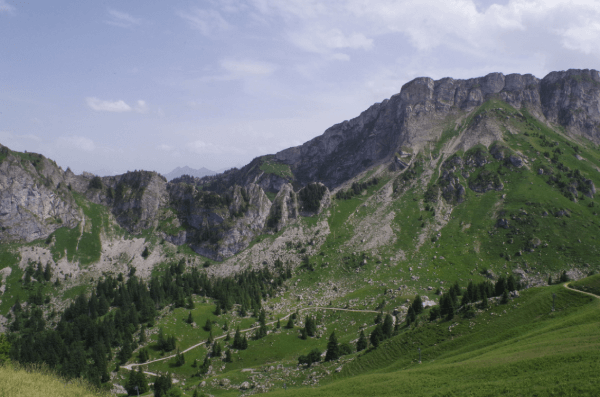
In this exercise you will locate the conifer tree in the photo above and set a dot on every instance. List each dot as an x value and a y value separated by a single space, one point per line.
410 316
505 297
417 305
216 349
362 341
190 304
237 339
208 325
484 300
190 319
290 323
142 339
376 336
333 348
303 334
388 326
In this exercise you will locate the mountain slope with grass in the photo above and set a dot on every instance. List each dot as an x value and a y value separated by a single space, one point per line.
440 219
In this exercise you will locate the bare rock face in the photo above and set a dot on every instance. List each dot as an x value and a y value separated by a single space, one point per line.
572 99
137 198
219 225
249 226
284 209
34 200
415 116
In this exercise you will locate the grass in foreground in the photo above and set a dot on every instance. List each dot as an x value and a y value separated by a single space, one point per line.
38 381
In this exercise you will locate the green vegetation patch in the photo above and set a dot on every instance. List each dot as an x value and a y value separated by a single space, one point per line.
589 284
270 166
522 348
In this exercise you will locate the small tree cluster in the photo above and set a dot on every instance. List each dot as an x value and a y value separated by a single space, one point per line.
313 357
239 342
165 343
382 331
137 382
162 385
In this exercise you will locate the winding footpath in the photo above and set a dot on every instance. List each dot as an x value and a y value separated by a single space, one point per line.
130 367
566 285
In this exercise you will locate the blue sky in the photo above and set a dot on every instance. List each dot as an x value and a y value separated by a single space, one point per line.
117 86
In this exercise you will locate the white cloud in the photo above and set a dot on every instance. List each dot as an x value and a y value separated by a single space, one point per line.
7 8
207 22
119 106
107 106
78 142
243 68
122 19
319 40
141 107
166 148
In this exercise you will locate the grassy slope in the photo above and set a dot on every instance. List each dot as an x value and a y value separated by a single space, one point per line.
17 382
520 348
588 284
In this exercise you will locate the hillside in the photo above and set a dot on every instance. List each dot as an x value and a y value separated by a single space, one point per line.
487 183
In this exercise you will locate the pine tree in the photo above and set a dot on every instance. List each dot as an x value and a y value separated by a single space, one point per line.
190 304
484 300
208 325
237 339
410 316
290 323
162 384
47 272
142 335
333 348
137 382
179 358
376 336
228 357
190 319
388 326
563 277
505 297
310 326
362 342
434 313
303 334
278 324
450 314
216 349
550 280
417 305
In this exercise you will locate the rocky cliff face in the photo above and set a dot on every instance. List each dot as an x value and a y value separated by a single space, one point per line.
572 99
219 215
34 199
418 113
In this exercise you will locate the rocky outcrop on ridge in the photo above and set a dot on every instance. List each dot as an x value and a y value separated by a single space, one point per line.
415 116
34 199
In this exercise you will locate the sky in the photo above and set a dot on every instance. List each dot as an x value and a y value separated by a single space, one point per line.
114 86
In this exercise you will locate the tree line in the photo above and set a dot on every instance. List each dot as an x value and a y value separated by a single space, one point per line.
94 330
